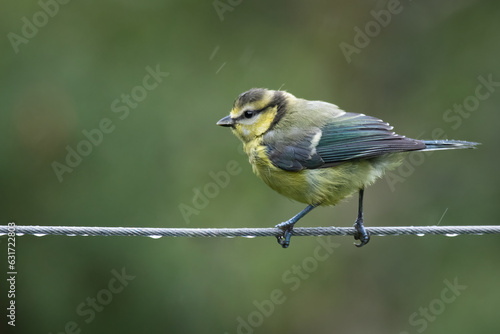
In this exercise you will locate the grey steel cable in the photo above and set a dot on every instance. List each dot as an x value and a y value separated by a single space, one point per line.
243 232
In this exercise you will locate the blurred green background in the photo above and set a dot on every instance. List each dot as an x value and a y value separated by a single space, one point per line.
65 77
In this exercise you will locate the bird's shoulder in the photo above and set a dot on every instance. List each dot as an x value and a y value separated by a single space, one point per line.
291 144
318 135
303 120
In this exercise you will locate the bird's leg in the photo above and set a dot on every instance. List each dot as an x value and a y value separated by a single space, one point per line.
287 227
361 233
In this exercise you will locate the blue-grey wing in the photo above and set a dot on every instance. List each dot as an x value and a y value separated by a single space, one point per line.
348 137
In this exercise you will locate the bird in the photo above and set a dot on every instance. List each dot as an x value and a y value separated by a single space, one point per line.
315 153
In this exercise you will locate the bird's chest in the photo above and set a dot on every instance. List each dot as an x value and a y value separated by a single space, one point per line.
257 156
291 184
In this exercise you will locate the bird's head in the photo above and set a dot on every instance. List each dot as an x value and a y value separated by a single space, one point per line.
255 112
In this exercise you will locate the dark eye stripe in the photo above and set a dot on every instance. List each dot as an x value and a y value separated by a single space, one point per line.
252 113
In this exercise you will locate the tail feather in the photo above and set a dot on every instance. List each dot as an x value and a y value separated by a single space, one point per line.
433 145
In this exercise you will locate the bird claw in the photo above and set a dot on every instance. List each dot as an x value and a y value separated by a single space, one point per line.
284 239
361 234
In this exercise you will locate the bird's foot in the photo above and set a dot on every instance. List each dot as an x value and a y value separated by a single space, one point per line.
287 228
361 234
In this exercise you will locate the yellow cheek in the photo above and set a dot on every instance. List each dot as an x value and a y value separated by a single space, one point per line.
259 128
264 121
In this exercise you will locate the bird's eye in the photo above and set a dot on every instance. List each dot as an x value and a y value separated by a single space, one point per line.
249 113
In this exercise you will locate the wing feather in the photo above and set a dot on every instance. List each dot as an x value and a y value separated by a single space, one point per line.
348 137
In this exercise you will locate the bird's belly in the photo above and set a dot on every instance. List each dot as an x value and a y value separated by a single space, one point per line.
321 186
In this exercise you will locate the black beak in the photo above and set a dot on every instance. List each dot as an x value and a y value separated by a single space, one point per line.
226 121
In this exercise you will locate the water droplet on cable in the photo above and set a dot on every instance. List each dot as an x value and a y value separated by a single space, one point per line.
39 234
420 234
249 236
155 236
451 235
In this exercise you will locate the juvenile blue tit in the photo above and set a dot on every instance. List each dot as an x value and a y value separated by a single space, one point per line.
316 153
